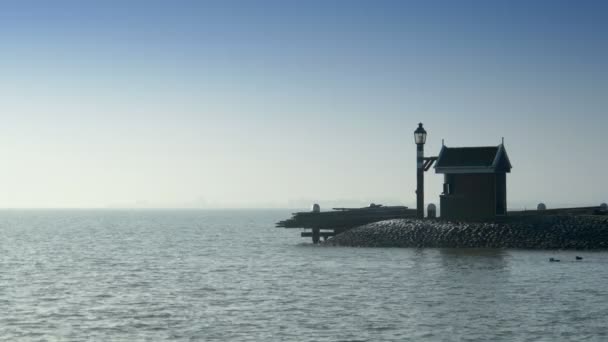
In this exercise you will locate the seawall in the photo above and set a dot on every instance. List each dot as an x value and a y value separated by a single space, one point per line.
543 232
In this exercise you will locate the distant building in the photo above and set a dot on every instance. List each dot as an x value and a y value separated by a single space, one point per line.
475 182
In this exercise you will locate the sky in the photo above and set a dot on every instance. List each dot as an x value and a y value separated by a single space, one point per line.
271 104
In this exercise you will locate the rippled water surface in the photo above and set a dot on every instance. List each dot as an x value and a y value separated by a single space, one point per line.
230 276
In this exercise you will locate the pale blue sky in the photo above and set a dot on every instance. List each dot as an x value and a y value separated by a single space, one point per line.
282 103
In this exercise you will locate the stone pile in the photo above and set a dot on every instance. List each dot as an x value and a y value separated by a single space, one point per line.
542 232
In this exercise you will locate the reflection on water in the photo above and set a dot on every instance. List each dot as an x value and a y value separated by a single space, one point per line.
229 275
474 259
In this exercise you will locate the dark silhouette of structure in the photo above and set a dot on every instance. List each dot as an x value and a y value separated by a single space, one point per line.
475 185
420 139
475 189
422 165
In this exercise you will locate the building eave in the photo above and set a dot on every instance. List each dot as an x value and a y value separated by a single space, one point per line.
465 169
443 147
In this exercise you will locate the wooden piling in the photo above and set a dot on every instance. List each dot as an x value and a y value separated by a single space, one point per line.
316 235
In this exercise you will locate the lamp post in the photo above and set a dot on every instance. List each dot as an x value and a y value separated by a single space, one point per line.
420 139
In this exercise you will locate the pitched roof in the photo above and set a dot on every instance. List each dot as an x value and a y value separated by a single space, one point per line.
485 159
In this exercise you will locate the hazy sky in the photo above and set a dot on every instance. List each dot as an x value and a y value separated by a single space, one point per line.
282 103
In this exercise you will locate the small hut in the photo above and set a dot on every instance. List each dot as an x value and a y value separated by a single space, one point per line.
475 182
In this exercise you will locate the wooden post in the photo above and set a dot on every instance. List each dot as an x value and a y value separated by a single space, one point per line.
316 235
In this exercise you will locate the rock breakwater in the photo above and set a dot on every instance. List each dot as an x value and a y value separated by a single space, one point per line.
543 232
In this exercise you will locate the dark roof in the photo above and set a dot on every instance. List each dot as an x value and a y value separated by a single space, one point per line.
467 156
473 159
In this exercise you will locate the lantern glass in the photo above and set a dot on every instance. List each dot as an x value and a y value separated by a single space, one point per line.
420 138
420 135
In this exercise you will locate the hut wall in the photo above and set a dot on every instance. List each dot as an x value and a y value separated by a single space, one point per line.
501 193
470 197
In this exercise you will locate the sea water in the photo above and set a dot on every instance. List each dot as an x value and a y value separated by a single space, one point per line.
229 275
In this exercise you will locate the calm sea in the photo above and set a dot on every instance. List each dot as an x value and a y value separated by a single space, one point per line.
231 276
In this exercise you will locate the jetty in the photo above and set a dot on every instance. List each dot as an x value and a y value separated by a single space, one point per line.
329 223
473 211
602 209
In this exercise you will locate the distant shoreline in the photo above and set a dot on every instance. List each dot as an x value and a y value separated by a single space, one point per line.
548 232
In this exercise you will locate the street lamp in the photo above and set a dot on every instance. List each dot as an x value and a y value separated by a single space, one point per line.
420 139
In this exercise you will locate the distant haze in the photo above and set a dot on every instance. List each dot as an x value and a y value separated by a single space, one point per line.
281 103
